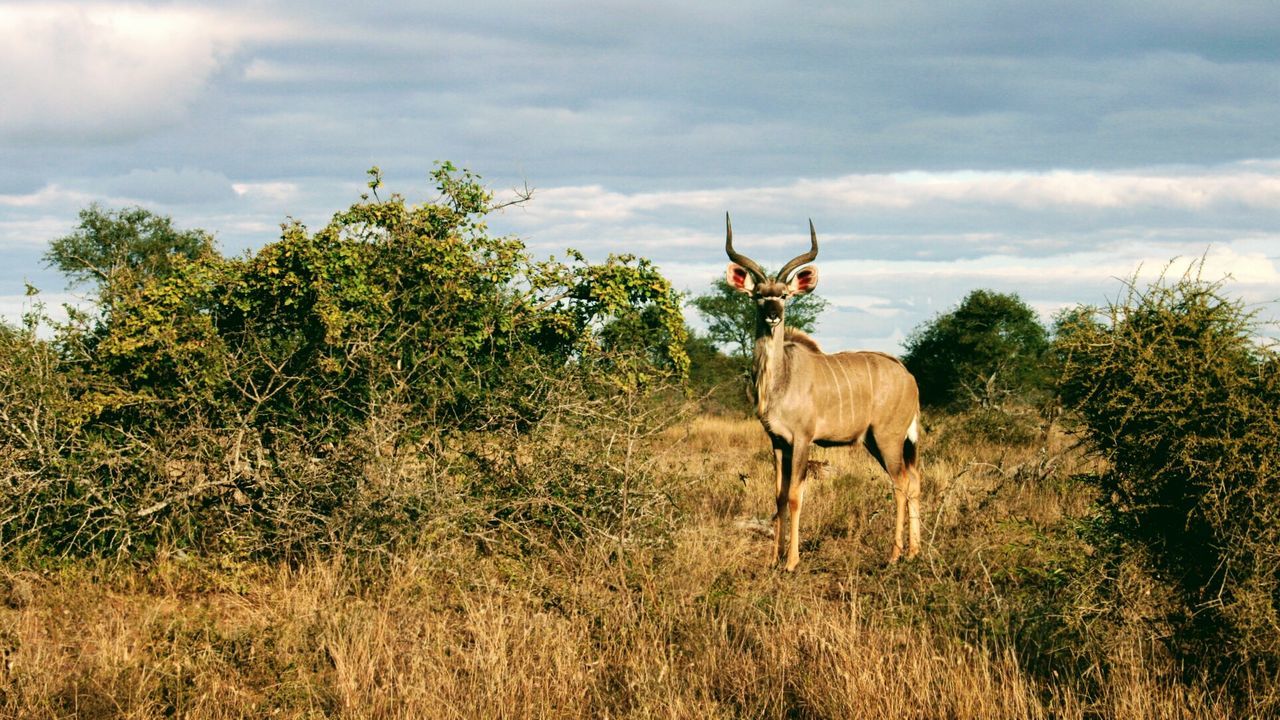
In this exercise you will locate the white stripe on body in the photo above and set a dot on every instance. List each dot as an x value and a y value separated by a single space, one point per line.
835 382
853 407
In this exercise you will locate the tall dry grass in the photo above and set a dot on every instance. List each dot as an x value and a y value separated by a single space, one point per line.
698 627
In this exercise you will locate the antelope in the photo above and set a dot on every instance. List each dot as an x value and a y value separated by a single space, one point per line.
805 397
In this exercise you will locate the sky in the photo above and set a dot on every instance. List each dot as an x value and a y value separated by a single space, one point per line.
1053 149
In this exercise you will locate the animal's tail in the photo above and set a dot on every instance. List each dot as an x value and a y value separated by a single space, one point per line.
912 442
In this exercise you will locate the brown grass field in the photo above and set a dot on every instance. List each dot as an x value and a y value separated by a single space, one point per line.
996 619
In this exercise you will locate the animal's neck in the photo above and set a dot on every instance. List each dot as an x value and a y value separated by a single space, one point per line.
770 367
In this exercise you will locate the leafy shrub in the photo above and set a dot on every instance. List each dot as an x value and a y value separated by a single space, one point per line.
1176 393
251 404
720 381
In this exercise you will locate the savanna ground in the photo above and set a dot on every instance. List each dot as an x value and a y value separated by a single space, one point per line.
999 617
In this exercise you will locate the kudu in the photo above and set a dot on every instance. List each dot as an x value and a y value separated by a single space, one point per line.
805 397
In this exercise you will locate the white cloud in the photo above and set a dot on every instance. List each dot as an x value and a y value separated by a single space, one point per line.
12 307
260 70
104 70
28 234
276 192
46 197
1240 185
1246 272
1250 185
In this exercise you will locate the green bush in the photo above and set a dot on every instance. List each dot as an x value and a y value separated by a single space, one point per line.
722 383
1181 399
259 404
987 351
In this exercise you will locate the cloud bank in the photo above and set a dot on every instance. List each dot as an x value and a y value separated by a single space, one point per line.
86 72
1049 149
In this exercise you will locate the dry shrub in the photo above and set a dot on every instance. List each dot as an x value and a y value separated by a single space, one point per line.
509 615
1010 425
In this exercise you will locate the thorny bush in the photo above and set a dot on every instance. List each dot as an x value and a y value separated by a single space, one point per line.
1175 391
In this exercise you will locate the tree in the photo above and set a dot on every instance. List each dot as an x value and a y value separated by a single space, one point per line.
714 377
731 319
989 349
132 241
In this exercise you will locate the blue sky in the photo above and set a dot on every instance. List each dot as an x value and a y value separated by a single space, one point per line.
1051 148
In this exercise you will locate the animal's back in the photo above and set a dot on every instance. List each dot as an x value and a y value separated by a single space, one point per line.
862 389
803 340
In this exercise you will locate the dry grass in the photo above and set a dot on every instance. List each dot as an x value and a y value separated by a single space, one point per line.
696 629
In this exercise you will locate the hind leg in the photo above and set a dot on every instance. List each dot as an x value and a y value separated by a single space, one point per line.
912 471
890 458
900 514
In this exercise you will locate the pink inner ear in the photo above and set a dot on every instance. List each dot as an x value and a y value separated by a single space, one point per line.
739 277
804 279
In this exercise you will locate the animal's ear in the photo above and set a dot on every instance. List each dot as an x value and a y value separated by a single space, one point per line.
740 278
805 280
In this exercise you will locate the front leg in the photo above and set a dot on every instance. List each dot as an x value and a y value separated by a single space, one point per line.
781 459
795 498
